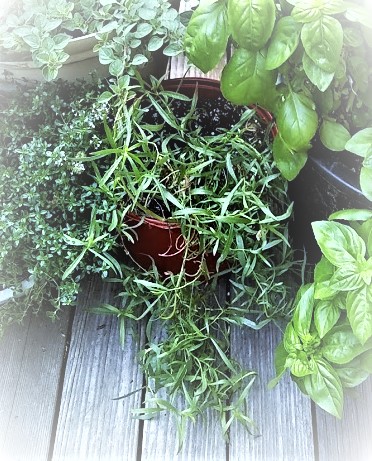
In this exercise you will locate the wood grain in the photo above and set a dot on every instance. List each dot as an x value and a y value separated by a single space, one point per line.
349 439
283 414
91 425
31 357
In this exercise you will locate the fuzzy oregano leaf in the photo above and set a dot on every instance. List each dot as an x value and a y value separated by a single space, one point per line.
283 43
206 35
251 22
339 243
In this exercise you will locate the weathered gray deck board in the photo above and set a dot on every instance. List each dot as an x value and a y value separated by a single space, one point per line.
283 414
31 357
91 425
348 439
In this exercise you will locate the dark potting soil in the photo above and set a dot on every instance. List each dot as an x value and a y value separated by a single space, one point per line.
212 116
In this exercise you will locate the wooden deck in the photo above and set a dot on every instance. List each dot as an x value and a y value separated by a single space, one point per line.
59 385
59 382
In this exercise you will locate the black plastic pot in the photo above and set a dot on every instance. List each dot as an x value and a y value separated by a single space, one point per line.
329 182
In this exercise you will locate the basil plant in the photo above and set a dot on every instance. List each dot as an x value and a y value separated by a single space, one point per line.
308 61
327 346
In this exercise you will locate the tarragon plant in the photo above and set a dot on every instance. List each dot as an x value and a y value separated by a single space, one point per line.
327 345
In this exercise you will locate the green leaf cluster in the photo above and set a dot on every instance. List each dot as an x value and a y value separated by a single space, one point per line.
127 33
307 61
327 345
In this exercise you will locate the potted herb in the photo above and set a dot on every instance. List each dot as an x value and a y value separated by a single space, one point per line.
194 164
327 345
309 64
71 39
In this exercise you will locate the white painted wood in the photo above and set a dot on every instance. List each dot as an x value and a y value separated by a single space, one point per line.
91 425
31 357
348 439
179 67
282 415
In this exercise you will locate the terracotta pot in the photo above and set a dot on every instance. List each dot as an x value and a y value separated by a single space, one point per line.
162 241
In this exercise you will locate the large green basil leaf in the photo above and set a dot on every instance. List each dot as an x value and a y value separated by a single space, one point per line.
347 278
303 313
323 271
297 120
302 366
206 35
361 143
334 135
289 162
251 22
341 346
352 375
359 312
283 43
352 214
322 40
311 10
326 315
325 388
319 77
339 243
280 357
245 80
291 341
366 182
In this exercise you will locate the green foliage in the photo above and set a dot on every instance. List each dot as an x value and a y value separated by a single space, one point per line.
45 134
327 345
309 62
127 32
229 201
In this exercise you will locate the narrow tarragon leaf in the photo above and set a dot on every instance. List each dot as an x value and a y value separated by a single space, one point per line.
206 35
323 40
283 43
359 312
251 22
